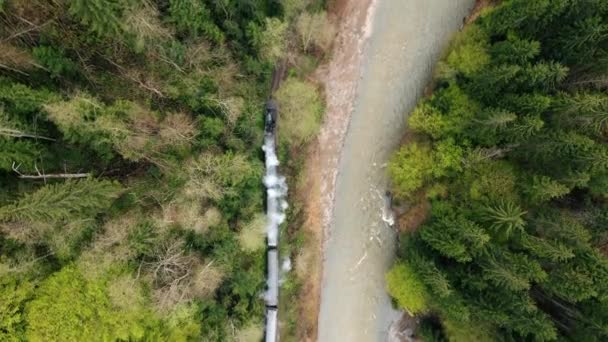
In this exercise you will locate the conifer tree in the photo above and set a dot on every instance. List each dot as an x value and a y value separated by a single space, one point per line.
543 188
515 240
454 236
589 111
21 100
101 17
62 201
514 50
193 18
14 294
551 250
505 219
17 153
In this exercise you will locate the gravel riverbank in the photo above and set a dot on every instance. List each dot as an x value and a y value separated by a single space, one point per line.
403 41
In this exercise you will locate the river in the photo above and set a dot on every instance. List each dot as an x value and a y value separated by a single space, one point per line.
406 40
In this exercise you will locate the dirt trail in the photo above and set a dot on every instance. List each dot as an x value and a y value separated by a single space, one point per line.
377 74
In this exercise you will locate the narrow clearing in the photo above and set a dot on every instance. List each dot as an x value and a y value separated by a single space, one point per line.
404 43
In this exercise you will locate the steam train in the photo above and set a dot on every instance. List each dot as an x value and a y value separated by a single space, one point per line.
270 116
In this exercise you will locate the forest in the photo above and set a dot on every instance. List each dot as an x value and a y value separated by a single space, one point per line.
510 154
131 195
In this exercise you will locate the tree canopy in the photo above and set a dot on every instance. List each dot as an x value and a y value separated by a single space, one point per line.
130 165
514 135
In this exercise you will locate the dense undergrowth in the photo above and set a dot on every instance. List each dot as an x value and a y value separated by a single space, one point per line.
511 152
158 104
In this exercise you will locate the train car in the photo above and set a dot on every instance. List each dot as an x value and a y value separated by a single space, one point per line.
272 293
271 324
270 117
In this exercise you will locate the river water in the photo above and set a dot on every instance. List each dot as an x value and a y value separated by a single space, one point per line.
406 42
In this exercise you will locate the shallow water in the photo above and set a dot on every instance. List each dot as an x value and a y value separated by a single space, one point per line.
407 39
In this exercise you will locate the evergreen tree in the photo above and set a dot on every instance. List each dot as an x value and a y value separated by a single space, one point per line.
589 111
533 104
524 128
15 153
193 18
515 241
543 188
505 219
514 50
554 251
62 201
14 294
410 292
69 307
21 100
512 271
101 17
453 235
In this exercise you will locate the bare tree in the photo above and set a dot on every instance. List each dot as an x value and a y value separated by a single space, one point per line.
179 277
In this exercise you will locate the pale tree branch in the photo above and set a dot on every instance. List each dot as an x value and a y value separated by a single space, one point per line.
32 28
44 176
135 79
20 134
14 70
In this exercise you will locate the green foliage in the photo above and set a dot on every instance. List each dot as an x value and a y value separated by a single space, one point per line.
227 172
453 235
515 50
542 76
84 120
570 284
512 271
526 16
459 332
447 113
525 127
544 188
497 119
410 168
17 153
512 151
193 18
126 127
505 218
68 307
405 286
431 276
532 104
271 41
415 164
468 54
143 240
447 158
293 7
429 120
101 17
14 294
176 119
585 110
315 30
22 100
211 129
489 182
301 109
63 201
55 61
546 249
